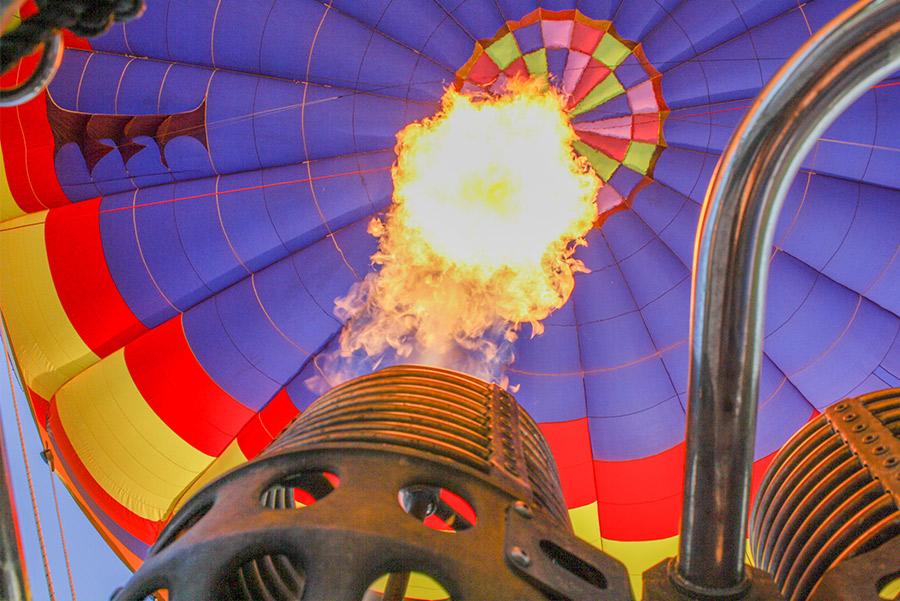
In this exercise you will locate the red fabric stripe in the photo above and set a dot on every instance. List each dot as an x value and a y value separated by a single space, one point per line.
141 528
640 499
640 521
584 38
612 147
484 71
32 175
30 169
266 425
645 127
181 393
593 73
571 446
83 282
40 407
517 68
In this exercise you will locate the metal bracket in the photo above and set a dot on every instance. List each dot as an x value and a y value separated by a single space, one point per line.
870 440
561 565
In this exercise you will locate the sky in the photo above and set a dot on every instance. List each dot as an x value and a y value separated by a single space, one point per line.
96 571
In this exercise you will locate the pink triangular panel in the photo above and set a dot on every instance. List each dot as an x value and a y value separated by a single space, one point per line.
617 127
575 65
556 33
642 98
608 199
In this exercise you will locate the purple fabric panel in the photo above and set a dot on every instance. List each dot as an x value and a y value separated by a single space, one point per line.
704 128
864 226
685 171
635 18
421 26
596 9
886 289
325 267
667 317
529 38
728 72
548 367
514 10
691 29
328 45
481 19
616 342
631 72
626 234
846 147
556 64
637 435
204 242
601 294
852 356
127 267
551 398
782 410
777 39
652 271
561 5
882 169
628 389
223 359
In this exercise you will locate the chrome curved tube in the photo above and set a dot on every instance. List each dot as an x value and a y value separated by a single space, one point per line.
731 264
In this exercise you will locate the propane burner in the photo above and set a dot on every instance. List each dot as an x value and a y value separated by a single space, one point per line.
409 470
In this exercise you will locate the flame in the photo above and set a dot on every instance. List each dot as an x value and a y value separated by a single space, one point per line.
490 202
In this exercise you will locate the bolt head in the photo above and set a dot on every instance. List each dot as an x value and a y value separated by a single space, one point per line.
840 407
869 438
850 417
891 462
880 450
520 557
523 510
859 428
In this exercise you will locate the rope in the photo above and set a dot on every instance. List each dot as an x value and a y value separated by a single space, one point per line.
34 507
62 535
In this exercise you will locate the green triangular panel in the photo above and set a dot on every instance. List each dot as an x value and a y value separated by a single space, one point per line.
504 51
537 62
602 164
610 51
604 91
639 156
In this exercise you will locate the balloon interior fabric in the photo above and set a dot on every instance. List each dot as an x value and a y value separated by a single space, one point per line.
183 205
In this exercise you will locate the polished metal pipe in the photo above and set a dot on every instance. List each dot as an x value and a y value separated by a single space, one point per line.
731 264
13 585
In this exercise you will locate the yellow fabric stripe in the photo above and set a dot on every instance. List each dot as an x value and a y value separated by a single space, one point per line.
230 458
638 556
586 522
8 207
48 348
128 449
